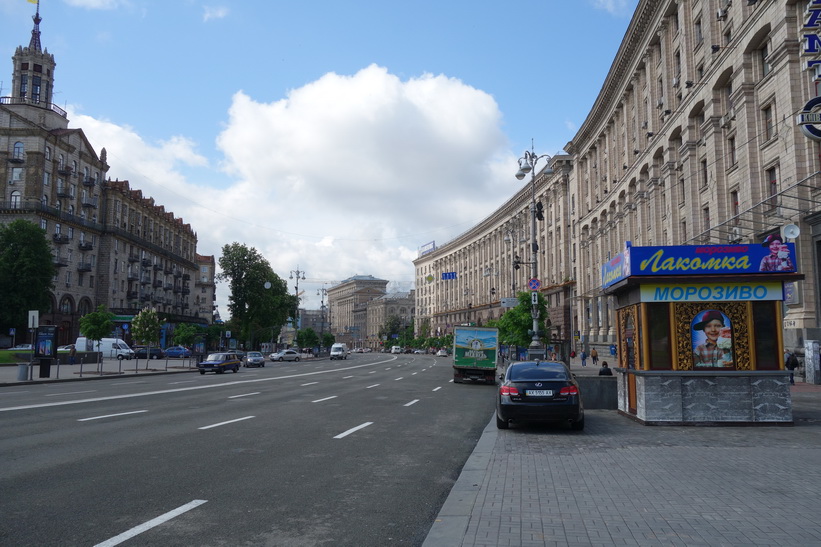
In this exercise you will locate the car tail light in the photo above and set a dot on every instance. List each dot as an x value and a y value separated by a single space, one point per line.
569 390
508 390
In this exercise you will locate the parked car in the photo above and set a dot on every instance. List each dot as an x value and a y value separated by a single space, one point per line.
254 359
65 348
177 351
21 347
539 391
419 351
219 363
285 355
442 353
143 353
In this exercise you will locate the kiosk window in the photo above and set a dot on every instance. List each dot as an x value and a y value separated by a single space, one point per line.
658 320
766 345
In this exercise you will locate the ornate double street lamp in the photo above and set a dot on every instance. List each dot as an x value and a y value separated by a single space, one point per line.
527 164
295 275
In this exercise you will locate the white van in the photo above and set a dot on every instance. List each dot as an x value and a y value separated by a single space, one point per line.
396 349
109 347
339 351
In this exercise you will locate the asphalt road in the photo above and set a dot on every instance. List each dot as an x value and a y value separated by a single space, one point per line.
358 452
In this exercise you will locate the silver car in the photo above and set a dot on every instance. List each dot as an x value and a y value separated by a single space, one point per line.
253 359
285 355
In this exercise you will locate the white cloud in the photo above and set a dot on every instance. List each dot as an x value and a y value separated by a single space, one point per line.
214 12
615 7
347 175
97 4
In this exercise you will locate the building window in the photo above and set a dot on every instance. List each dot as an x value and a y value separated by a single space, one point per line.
15 200
731 151
764 53
44 224
16 175
767 122
734 206
17 154
772 187
699 32
703 174
46 179
48 152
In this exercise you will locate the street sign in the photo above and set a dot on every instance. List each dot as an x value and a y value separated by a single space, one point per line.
534 284
534 298
510 302
34 319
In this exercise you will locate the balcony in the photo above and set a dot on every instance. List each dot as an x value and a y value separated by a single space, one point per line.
64 192
177 273
145 298
186 291
17 158
146 263
60 238
65 170
168 270
133 276
132 258
177 290
86 246
169 286
84 266
132 295
186 277
157 267
90 202
145 281
60 261
157 283
88 181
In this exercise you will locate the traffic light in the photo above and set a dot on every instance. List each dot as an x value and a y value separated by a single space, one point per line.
516 261
539 210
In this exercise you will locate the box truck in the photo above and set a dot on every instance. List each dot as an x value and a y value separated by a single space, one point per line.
475 354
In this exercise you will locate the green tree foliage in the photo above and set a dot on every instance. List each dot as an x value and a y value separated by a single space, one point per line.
259 298
516 325
26 271
97 325
145 328
307 338
328 339
184 334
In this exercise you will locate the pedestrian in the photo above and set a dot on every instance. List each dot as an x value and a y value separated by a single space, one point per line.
605 370
583 357
72 355
594 355
791 363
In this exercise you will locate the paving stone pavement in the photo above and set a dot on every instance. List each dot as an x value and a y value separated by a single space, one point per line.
622 483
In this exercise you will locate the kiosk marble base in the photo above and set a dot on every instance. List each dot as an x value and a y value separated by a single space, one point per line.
674 397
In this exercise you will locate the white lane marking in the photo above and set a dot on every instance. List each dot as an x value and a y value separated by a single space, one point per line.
400 378
325 399
116 540
369 387
309 384
111 415
243 395
411 403
437 388
181 382
346 377
181 389
414 373
226 423
372 372
128 383
70 393
353 430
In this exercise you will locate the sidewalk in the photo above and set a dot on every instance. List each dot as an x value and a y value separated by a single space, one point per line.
10 373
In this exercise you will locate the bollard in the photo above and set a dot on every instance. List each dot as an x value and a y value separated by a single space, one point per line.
22 372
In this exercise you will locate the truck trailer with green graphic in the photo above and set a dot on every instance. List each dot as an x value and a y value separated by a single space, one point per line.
475 354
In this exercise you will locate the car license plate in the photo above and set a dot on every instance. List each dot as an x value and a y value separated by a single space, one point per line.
539 392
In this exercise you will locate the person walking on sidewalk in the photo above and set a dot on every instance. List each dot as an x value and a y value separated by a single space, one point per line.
605 370
583 357
594 355
791 363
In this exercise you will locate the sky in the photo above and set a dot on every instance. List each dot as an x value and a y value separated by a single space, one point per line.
334 137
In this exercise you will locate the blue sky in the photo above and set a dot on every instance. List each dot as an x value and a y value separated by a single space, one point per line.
336 137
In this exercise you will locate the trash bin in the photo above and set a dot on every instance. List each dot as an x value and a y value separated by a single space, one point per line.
22 372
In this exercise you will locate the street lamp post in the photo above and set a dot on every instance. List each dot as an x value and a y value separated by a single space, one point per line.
527 164
295 275
322 293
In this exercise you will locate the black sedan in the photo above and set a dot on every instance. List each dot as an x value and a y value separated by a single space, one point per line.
144 353
219 363
539 391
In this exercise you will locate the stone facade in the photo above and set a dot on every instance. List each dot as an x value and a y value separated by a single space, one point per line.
691 140
113 246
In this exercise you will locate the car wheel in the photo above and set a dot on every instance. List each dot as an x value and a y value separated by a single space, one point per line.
236 369
280 359
202 372
262 365
297 359
120 357
578 426
501 424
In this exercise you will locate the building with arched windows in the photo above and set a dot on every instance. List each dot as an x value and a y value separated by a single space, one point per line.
112 246
702 133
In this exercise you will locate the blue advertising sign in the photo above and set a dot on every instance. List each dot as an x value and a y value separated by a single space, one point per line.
448 275
771 256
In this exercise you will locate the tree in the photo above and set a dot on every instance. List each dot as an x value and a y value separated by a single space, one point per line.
97 325
516 325
259 298
26 271
307 338
184 334
145 328
328 339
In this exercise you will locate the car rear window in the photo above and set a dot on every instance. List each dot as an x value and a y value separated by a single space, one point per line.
538 373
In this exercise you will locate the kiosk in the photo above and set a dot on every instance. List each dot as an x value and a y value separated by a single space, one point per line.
699 332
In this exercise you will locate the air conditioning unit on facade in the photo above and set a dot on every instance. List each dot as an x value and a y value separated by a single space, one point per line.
735 236
725 121
675 81
721 14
